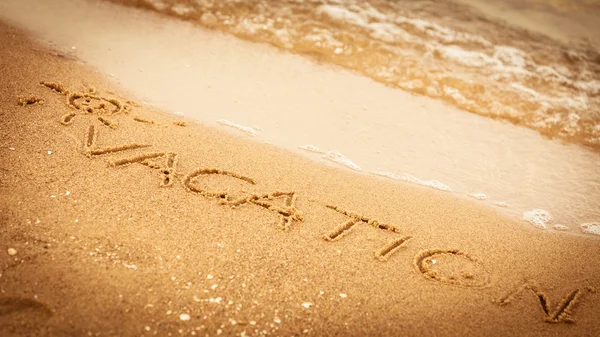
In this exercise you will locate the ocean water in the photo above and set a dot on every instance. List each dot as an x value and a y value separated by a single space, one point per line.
440 49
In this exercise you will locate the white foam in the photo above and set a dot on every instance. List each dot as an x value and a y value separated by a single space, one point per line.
390 33
159 5
457 96
242 128
341 159
428 183
443 34
340 14
466 57
478 196
311 148
591 228
551 74
408 178
510 56
384 31
560 227
332 155
181 9
525 89
323 38
373 13
387 175
501 204
592 87
390 30
538 218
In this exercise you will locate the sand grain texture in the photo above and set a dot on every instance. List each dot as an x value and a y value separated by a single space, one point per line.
120 250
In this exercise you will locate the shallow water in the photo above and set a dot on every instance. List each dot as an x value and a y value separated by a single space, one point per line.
439 49
289 101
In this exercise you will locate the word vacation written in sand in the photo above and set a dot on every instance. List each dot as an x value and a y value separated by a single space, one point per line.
282 204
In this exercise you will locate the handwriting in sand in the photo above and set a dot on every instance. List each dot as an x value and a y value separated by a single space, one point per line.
428 262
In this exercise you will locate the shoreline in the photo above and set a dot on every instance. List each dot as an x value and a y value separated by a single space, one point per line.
295 102
103 243
404 46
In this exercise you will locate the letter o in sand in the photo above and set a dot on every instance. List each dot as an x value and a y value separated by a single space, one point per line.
451 266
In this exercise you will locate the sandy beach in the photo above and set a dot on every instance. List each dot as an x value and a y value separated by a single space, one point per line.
291 101
119 218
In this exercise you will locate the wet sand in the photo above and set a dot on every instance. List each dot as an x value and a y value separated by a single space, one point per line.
141 224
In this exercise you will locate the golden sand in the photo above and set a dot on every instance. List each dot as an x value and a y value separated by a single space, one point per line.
234 244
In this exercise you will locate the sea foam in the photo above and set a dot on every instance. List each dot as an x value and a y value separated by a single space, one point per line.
538 218
341 159
332 155
478 196
311 148
246 129
408 178
591 228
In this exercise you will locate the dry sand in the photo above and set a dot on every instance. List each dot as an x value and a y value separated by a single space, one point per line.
93 247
